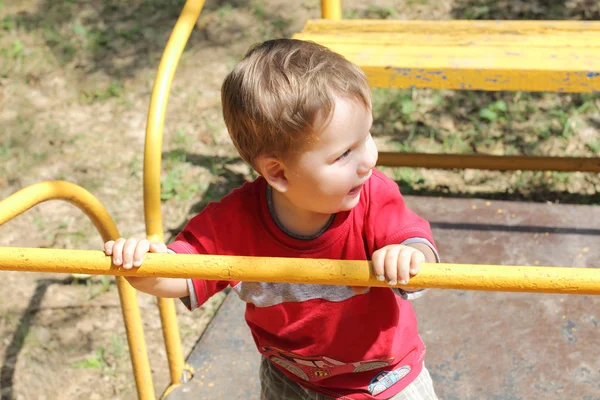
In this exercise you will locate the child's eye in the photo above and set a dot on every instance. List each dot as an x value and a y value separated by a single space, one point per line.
344 155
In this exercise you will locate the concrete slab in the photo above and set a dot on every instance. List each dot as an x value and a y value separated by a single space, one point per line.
480 345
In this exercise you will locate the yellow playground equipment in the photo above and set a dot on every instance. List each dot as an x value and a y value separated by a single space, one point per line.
465 55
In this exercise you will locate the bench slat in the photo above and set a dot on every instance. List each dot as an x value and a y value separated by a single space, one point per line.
559 56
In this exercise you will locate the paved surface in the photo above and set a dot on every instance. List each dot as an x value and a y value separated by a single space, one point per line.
481 345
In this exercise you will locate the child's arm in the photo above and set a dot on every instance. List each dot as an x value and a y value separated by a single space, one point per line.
130 253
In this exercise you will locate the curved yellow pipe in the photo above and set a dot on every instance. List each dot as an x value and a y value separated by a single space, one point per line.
152 167
331 9
503 278
30 196
156 116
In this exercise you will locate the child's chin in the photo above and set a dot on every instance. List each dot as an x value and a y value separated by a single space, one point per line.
350 203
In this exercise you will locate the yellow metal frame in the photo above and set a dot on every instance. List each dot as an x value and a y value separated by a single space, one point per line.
24 199
310 271
331 9
152 167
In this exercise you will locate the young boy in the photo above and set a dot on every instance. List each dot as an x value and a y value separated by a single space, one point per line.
300 115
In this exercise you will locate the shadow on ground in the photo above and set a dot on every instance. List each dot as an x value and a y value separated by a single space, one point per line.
120 37
225 181
13 348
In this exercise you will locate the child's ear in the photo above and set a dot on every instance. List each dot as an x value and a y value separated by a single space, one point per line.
273 170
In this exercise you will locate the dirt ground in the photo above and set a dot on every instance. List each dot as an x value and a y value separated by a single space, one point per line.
75 84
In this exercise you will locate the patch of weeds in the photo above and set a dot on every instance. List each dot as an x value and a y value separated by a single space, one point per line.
13 56
178 183
136 166
407 176
373 11
564 121
61 46
281 24
379 12
118 346
96 361
104 287
39 222
497 111
175 157
16 50
11 22
454 142
594 146
476 12
113 90
131 34
213 129
393 104
258 9
224 11
181 139
561 178
350 13
272 25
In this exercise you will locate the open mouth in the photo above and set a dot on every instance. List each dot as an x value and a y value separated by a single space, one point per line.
356 190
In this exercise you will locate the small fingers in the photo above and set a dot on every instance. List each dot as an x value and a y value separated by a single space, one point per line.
117 251
128 250
404 263
142 247
415 262
391 265
108 247
378 260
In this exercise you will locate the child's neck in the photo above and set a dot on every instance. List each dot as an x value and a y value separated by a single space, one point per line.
298 222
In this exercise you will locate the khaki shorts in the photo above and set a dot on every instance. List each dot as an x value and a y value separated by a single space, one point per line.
276 386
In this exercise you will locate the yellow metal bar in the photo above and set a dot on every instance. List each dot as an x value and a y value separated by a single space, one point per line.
481 161
331 9
310 271
30 196
152 167
156 115
557 56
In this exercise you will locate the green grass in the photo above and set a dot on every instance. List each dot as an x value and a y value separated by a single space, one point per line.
114 89
96 361
430 121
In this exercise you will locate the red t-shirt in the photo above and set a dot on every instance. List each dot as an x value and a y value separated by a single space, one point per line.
326 338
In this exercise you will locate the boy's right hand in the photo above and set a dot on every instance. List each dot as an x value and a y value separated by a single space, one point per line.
130 252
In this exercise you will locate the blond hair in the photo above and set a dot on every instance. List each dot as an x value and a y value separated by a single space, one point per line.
275 96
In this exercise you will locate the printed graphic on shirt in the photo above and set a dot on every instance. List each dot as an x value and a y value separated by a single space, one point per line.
320 367
266 294
386 379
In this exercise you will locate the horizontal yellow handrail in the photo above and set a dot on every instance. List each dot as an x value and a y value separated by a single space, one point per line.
310 271
30 196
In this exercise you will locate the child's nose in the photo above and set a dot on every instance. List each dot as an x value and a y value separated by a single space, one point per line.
370 155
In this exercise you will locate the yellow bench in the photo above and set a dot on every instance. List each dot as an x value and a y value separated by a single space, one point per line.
554 56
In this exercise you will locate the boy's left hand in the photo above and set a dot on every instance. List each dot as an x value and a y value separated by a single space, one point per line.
395 264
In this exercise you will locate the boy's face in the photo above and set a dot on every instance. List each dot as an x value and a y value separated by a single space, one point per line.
328 177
